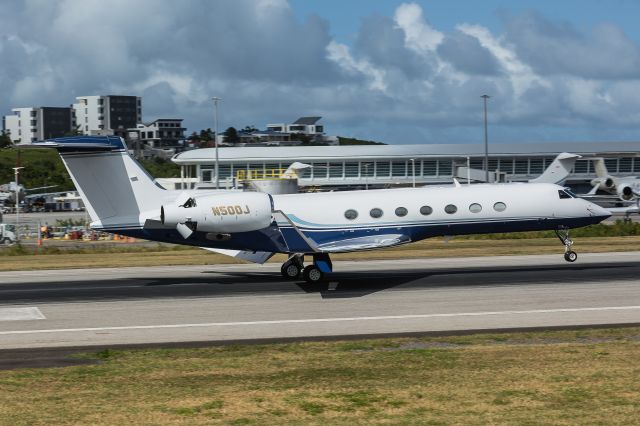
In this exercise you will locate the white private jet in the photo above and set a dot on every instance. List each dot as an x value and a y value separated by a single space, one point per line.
122 198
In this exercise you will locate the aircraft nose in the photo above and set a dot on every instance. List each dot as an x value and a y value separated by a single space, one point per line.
596 210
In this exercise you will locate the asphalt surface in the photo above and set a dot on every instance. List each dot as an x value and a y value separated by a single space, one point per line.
99 308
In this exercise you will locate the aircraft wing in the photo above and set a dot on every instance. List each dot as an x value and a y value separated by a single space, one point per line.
249 256
40 187
369 242
625 210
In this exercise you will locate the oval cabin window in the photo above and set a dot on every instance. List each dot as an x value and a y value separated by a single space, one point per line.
401 211
351 214
475 208
499 206
426 210
376 213
450 209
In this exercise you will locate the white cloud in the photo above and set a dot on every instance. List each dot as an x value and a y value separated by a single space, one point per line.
339 53
420 36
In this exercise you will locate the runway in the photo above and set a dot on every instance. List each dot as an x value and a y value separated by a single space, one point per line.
103 307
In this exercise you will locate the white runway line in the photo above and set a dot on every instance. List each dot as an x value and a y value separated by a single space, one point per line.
20 314
326 320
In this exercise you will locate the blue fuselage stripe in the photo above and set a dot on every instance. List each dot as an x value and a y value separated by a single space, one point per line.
271 240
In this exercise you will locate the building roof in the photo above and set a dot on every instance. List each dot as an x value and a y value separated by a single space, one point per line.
307 120
341 152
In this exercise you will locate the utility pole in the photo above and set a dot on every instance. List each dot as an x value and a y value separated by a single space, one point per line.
486 140
215 100
16 173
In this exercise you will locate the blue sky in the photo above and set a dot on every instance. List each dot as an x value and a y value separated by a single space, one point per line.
391 71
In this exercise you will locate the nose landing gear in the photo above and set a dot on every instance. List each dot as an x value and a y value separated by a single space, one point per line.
563 235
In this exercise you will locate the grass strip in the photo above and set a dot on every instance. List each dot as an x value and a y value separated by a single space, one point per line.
554 377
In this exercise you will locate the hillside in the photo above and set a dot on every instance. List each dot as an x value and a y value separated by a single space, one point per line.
353 141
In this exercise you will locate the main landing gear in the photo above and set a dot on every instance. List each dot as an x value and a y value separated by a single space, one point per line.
313 273
563 235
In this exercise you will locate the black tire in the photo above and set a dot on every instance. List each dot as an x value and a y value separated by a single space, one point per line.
6 241
312 274
290 270
571 256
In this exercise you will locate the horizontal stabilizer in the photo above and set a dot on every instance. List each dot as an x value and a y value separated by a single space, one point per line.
81 143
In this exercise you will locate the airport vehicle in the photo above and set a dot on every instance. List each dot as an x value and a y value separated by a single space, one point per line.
7 233
122 198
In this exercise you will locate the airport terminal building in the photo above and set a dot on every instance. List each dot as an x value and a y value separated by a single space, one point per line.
380 166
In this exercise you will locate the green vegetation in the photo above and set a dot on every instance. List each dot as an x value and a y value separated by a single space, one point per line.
42 167
353 141
159 168
231 135
5 140
554 377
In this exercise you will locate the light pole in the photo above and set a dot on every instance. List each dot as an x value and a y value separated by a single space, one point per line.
16 172
366 175
215 100
486 141
413 170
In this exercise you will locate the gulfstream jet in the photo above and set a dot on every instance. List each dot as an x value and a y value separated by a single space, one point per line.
122 198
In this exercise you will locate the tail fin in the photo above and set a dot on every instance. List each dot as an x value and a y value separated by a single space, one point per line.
113 186
600 167
558 170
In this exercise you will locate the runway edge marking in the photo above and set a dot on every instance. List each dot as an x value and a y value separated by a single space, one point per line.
21 314
321 320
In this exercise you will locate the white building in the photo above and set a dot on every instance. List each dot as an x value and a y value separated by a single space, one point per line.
37 123
305 125
379 166
163 132
111 115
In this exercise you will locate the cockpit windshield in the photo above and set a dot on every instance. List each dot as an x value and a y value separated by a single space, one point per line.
566 193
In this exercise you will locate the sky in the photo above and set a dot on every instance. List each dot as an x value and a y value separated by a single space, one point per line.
399 72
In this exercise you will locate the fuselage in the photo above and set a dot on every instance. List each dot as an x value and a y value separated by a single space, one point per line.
407 214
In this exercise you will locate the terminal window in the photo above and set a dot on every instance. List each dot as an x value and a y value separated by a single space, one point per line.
335 170
444 168
382 168
399 168
624 165
429 167
351 169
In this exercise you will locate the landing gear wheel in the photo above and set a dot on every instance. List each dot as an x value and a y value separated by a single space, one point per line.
563 235
312 274
290 270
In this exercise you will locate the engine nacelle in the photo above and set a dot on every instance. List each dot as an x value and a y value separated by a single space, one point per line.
607 184
223 213
625 192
